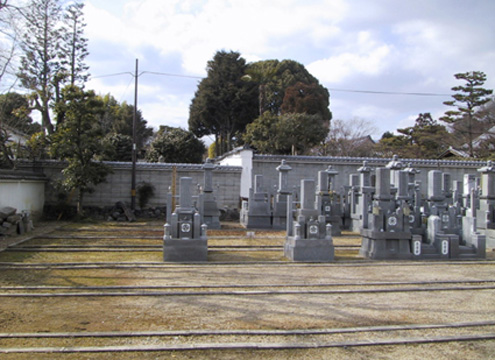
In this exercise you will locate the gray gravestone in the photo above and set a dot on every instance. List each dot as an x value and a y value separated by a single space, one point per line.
184 237
257 213
309 238
211 214
388 235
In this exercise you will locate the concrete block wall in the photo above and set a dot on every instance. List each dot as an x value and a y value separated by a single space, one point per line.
234 175
307 167
226 182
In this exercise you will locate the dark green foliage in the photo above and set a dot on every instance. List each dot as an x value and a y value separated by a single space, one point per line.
145 192
15 113
467 100
175 145
285 134
117 147
426 139
280 81
78 140
6 155
311 99
37 146
117 119
224 103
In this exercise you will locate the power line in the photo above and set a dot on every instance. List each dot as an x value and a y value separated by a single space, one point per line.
331 89
112 75
146 72
388 92
174 75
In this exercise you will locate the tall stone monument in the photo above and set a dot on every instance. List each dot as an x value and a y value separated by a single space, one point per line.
283 193
388 234
185 237
211 214
256 212
486 212
329 200
309 238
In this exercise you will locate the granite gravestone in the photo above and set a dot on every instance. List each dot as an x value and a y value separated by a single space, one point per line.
211 214
185 237
309 238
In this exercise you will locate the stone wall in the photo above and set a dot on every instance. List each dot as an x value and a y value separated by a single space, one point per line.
307 167
233 175
118 184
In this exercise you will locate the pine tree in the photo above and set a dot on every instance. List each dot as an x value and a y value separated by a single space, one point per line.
75 45
40 63
467 100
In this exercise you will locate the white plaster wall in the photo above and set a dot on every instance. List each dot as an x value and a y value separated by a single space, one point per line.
28 195
244 159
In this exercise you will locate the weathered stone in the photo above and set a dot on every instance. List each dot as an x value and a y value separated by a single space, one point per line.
14 219
7 211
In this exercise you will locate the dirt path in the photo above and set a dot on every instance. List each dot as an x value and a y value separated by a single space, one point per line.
239 291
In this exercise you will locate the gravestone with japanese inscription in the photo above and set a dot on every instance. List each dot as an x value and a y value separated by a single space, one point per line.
185 238
309 237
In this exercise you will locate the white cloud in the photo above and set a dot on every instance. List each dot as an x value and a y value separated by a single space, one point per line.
357 44
366 57
198 29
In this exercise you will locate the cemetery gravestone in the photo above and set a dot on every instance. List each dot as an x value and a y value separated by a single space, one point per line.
184 237
280 201
211 214
256 212
309 238
388 235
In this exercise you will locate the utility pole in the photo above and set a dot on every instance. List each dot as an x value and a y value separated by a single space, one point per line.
134 146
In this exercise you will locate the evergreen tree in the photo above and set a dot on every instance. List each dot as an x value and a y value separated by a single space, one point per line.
467 100
285 134
15 113
427 139
54 50
288 81
175 145
75 45
40 64
79 141
224 103
117 119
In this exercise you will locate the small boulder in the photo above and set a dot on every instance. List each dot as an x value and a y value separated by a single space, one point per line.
7 211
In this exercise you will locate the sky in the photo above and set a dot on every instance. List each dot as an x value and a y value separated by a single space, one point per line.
377 49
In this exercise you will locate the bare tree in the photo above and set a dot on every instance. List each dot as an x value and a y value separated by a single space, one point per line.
10 16
348 138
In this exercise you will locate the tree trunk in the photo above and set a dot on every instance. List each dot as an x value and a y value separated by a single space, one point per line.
80 196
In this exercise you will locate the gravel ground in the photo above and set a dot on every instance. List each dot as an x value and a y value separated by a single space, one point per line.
242 311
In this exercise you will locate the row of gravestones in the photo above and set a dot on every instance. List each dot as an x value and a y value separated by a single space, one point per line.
185 239
385 204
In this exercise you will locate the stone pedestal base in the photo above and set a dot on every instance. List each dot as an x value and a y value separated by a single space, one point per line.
320 250
386 245
185 250
258 222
